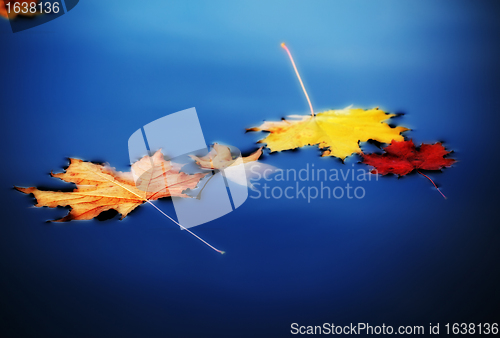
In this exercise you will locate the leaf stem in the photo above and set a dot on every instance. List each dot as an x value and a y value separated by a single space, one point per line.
184 228
432 183
300 80
170 218
198 197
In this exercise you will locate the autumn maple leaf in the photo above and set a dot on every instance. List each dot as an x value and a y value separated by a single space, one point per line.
101 188
220 157
3 10
338 132
401 158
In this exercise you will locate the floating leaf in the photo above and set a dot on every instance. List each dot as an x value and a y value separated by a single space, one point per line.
220 157
3 10
401 158
338 132
100 188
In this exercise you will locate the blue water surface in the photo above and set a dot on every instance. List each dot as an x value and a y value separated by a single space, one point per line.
80 85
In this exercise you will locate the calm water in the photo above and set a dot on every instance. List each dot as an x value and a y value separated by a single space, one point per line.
402 255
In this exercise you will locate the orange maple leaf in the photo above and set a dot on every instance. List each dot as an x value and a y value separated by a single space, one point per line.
3 10
101 188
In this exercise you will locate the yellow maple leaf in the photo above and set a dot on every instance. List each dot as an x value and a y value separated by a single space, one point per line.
338 132
100 188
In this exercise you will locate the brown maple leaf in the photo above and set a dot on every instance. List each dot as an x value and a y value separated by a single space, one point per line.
220 157
101 188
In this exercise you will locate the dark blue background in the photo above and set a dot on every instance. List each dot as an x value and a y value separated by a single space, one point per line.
80 85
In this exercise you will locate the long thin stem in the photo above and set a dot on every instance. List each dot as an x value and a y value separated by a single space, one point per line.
164 214
300 80
184 228
432 183
199 194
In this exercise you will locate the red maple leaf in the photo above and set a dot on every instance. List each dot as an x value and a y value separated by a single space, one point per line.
401 158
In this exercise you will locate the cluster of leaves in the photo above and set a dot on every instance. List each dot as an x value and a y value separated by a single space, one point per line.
338 133
100 188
